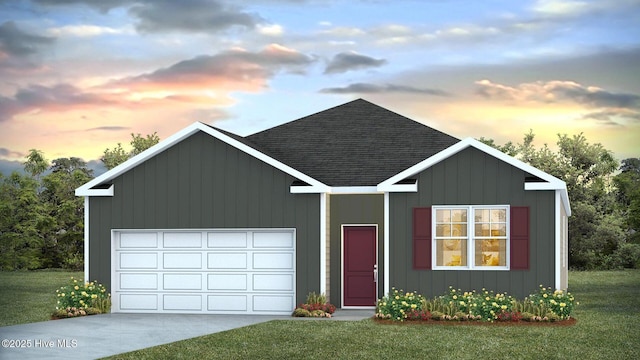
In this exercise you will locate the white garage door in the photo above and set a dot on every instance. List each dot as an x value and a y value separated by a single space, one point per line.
204 271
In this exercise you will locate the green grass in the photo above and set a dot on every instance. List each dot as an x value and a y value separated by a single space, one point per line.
29 296
608 328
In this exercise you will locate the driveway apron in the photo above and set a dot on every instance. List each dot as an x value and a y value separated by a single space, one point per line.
96 336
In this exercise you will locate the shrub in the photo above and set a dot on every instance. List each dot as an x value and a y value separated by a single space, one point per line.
557 302
79 295
398 304
315 306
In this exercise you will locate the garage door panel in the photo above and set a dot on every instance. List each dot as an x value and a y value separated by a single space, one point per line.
182 240
133 281
138 302
138 240
182 260
273 282
227 303
272 303
227 239
227 282
182 302
283 261
182 282
230 271
227 261
131 260
272 240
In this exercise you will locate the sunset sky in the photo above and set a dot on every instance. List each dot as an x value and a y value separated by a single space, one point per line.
78 76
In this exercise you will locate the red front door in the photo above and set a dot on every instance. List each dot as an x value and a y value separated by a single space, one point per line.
359 256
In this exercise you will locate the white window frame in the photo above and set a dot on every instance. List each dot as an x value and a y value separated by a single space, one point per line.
471 258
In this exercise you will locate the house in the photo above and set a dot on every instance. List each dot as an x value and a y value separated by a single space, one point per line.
350 201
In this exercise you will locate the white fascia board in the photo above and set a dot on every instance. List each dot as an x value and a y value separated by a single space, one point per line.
95 192
305 189
461 145
399 187
558 240
323 243
181 135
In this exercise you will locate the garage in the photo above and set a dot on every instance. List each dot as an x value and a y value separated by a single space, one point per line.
209 271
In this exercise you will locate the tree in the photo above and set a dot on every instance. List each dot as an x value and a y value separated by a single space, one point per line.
595 227
36 163
20 222
627 184
117 155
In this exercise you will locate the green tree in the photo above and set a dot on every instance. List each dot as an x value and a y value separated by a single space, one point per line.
595 227
36 163
21 222
63 240
627 184
116 156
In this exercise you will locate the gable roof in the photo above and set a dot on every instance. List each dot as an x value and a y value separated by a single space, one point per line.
96 187
543 181
354 144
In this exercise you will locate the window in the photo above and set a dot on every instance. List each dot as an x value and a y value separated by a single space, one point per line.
470 237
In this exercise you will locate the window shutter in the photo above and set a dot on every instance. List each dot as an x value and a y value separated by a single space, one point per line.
519 238
422 238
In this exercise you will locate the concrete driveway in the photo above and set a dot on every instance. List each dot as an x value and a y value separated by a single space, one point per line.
97 336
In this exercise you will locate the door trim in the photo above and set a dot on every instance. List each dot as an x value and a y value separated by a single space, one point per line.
342 282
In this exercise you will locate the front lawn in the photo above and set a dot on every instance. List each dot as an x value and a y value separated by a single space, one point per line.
608 327
29 296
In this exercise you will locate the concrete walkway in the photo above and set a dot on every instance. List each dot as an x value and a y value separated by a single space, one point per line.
98 336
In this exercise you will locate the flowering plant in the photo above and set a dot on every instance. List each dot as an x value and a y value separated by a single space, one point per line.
315 306
558 302
399 304
81 296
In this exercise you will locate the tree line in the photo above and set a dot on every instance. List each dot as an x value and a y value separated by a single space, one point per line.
42 224
41 219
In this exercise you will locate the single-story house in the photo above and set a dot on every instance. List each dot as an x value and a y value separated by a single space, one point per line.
350 202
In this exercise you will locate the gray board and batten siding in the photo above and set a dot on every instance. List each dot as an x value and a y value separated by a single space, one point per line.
204 183
353 209
472 177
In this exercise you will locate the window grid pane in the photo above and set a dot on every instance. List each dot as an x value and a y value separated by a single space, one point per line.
490 242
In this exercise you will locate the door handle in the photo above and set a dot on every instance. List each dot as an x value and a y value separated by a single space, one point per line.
375 273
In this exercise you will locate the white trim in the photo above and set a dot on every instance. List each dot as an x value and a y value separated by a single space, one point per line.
550 182
471 238
95 192
386 251
86 239
342 226
399 187
354 190
183 134
558 239
323 243
307 189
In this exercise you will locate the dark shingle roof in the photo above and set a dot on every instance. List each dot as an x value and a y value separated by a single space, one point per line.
354 144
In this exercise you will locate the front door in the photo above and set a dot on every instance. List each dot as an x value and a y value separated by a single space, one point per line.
359 266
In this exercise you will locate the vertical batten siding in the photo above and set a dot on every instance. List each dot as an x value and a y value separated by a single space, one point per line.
202 182
353 209
472 177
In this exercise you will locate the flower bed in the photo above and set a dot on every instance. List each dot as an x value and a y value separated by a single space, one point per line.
315 306
81 299
544 306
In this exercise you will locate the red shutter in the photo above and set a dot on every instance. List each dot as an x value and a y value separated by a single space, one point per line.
519 238
422 238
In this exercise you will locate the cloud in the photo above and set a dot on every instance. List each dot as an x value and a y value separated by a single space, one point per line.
109 128
51 98
190 16
367 88
612 108
4 152
235 69
101 5
86 30
9 166
348 61
19 43
556 91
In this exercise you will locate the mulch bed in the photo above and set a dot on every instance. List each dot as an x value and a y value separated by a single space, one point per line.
568 322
